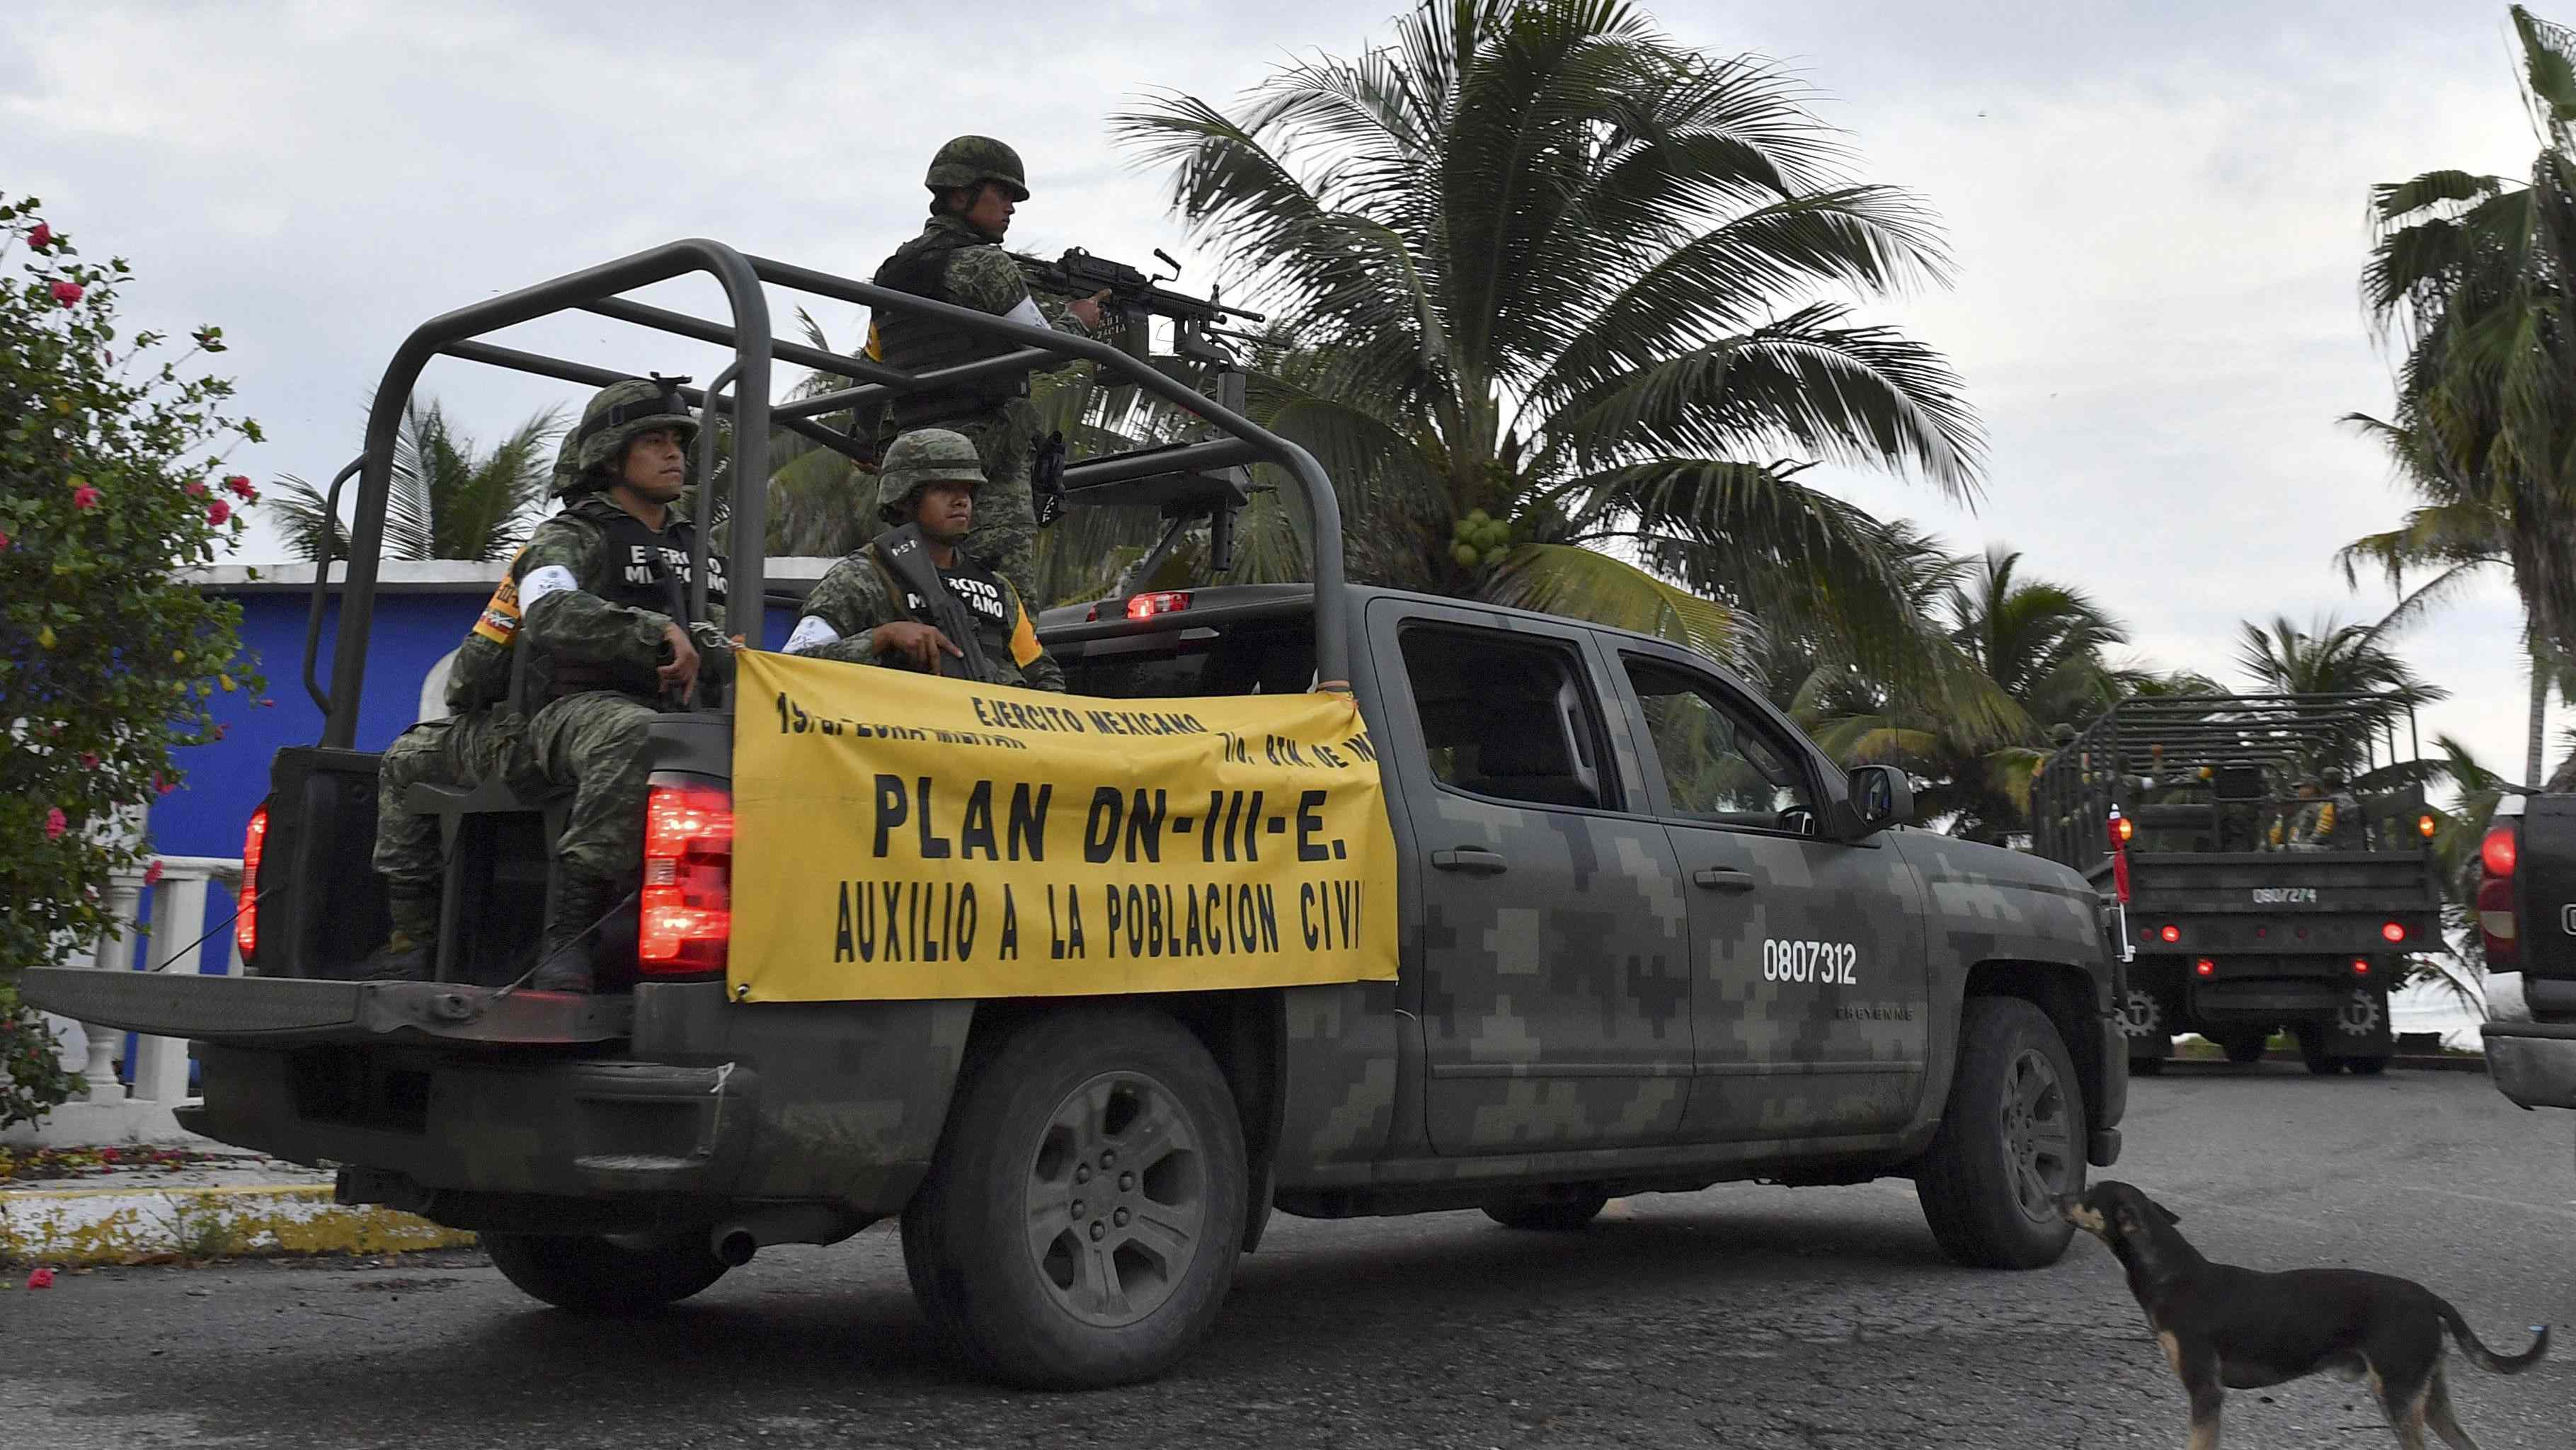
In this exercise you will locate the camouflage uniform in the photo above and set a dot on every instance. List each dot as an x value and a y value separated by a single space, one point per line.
861 592
953 262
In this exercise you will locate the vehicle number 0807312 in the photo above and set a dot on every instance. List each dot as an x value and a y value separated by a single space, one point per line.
1791 960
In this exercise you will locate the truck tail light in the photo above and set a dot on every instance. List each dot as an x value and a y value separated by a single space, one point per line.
2206 966
2391 932
2169 934
2425 826
2361 966
246 921
686 908
1160 601
2498 853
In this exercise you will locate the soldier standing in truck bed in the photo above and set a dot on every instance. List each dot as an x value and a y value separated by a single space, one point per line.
975 184
603 592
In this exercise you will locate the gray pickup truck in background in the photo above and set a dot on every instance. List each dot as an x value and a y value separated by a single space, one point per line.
2526 920
1650 938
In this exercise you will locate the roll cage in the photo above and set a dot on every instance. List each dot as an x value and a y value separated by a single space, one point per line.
1184 480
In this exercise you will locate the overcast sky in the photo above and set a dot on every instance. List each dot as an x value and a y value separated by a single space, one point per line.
2157 212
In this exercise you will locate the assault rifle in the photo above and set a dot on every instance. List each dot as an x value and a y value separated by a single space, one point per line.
1134 296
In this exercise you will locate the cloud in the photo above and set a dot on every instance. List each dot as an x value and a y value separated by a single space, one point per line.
2157 213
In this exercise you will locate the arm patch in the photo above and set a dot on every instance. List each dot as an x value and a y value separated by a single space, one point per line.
552 579
811 633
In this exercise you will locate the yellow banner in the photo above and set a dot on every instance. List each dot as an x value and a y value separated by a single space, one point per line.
898 835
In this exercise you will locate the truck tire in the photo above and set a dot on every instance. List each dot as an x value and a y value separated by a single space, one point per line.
1082 1216
2244 1048
2366 1066
2011 1141
588 1274
1548 1215
2312 1050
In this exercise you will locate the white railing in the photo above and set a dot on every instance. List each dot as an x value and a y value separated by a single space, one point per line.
171 932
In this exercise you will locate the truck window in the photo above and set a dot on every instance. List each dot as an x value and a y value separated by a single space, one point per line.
1719 764
1508 716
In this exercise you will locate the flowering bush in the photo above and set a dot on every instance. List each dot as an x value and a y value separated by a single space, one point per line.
107 659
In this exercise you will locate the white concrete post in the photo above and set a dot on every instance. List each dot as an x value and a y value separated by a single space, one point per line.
178 917
115 954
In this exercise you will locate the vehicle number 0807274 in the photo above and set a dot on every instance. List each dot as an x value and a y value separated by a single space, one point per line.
1792 960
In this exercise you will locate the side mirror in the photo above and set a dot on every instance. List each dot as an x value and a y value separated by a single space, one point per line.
1881 797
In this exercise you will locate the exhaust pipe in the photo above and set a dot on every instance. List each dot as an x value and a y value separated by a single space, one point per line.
734 1243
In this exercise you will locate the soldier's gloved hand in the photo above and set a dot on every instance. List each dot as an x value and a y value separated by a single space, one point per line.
917 644
1088 309
715 652
682 672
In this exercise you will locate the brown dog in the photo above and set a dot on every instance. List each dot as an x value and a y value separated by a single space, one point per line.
2226 1328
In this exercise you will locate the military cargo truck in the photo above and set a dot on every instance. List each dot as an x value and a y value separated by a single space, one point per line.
1645 937
2277 859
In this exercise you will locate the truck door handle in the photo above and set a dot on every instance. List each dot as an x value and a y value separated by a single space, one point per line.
1722 878
1470 859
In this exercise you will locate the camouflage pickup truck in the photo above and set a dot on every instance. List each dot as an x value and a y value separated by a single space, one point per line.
1647 938
2526 918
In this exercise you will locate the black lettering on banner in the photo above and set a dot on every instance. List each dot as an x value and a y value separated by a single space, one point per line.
1325 754
1100 831
1310 823
1145 827
933 848
844 947
893 940
978 829
892 807
1010 950
1028 820
1359 746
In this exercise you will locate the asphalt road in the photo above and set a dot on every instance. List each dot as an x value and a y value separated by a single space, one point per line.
1742 1316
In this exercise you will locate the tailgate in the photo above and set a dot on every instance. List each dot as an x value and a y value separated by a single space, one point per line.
289 1012
2286 883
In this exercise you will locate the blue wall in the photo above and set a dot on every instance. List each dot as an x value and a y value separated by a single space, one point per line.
226 781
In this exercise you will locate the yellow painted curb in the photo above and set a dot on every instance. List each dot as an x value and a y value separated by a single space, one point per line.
78 1227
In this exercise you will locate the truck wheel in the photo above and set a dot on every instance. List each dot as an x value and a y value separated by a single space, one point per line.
588 1274
1548 1215
2312 1051
2244 1048
2011 1141
1082 1216
2366 1066
2146 1067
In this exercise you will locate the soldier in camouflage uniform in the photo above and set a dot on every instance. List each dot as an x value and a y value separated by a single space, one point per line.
862 612
480 738
975 183
603 589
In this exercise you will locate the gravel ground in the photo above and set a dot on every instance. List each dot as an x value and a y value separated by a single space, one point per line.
1741 1316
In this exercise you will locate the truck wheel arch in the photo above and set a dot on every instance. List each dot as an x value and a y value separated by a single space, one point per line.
2069 996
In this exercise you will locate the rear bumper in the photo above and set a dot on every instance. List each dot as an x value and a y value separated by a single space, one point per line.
2533 1063
286 1012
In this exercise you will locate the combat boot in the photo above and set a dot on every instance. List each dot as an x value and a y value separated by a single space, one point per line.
410 954
571 960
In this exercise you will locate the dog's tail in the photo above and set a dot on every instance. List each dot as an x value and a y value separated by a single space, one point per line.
2488 1359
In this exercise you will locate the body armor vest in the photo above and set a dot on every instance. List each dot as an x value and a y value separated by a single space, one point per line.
919 344
639 569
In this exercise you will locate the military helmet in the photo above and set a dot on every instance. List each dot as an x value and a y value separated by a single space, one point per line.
612 419
919 459
974 160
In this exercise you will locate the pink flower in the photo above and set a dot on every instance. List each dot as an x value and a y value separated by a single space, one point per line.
267 703
89 760
40 1278
218 511
84 497
241 486
196 488
4 541
41 238
152 874
55 823
164 787
67 293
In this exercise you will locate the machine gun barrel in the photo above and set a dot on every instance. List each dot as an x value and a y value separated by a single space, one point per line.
1080 274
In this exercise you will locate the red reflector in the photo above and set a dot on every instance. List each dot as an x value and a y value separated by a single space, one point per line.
2360 967
254 844
2498 852
686 908
2392 932
2171 933
2206 967
2496 930
1161 601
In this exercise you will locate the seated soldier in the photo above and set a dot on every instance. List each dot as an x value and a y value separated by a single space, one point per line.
603 591
912 598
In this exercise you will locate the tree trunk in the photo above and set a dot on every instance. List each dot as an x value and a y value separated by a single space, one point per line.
2539 728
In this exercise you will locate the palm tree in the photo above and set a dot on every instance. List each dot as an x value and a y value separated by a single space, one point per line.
1558 286
2332 658
447 501
2457 531
2475 275
2038 646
